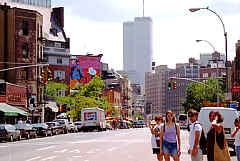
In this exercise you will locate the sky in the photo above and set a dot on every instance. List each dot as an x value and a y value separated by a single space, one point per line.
96 26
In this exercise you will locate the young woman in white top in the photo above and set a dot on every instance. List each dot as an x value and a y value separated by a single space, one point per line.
155 130
236 134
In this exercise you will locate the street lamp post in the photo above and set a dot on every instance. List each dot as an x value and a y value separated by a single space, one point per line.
208 43
225 35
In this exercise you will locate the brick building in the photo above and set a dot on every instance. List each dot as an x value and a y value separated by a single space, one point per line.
21 45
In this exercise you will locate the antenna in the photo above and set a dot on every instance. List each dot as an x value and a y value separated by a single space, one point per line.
143 8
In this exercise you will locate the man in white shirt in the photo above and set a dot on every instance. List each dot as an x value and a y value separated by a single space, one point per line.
194 136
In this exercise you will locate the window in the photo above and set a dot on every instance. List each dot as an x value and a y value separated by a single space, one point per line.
205 75
59 75
25 28
25 50
59 61
57 44
61 93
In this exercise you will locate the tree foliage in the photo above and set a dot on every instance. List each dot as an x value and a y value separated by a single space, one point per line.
52 88
196 93
86 96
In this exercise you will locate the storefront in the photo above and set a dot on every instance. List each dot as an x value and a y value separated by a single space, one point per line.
10 114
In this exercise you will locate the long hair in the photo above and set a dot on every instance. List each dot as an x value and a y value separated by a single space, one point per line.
220 117
173 116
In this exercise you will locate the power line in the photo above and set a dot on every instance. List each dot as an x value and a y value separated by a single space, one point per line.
35 65
13 63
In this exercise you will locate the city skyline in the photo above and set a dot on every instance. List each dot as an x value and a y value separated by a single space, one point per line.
175 29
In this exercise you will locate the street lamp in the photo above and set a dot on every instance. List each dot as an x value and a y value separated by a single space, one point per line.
208 43
225 35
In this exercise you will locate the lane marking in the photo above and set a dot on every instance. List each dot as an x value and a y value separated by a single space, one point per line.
77 156
33 158
3 146
61 151
49 147
49 158
75 151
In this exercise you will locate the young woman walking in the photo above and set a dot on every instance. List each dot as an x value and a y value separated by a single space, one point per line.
236 135
170 138
156 130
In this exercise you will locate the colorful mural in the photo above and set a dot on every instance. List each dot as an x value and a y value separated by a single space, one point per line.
83 68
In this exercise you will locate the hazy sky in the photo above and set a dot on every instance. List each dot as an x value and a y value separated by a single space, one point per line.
96 26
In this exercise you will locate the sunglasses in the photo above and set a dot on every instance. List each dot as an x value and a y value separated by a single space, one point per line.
159 119
190 115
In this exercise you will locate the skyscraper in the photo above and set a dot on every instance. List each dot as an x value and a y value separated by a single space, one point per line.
137 48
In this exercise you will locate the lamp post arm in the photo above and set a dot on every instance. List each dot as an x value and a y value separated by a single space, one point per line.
219 19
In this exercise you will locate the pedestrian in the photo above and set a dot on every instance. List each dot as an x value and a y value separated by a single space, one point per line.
236 135
194 136
217 149
170 138
155 128
20 121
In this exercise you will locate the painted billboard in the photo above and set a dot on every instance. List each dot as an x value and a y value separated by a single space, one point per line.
83 68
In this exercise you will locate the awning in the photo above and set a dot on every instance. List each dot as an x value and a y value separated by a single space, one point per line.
9 110
52 106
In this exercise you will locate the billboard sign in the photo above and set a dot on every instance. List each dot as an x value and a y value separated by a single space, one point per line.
83 68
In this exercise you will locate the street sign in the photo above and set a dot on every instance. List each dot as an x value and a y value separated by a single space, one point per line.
235 89
233 106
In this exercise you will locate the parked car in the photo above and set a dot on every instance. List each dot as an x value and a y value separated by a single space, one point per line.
73 127
55 127
43 129
79 125
9 133
26 130
65 125
134 125
140 124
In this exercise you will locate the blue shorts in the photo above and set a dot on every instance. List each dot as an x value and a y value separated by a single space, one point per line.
169 148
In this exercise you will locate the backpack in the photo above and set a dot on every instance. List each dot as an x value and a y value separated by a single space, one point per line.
202 141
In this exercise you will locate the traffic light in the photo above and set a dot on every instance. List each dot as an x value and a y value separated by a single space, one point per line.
169 85
49 75
174 84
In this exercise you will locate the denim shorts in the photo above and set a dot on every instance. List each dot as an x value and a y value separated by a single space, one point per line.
237 148
169 148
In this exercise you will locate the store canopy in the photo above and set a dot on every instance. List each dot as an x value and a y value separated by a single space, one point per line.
9 110
52 106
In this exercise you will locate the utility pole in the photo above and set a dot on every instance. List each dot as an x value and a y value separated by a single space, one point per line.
143 8
5 9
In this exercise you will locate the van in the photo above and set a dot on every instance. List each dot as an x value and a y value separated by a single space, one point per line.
93 119
229 115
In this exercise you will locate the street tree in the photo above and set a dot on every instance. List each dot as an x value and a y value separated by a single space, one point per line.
196 93
86 96
53 88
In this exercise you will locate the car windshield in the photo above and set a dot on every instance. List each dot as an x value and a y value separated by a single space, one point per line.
2 127
39 125
23 126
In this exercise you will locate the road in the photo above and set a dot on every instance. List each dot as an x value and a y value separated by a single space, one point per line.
119 145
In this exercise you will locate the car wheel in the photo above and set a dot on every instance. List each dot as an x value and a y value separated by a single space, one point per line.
19 138
11 138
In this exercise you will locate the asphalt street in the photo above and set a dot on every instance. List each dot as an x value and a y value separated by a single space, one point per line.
118 145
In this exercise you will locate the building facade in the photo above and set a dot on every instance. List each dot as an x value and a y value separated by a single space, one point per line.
21 45
137 49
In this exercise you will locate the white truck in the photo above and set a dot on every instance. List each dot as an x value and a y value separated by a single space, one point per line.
93 119
229 115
